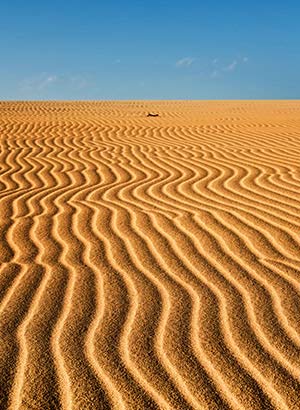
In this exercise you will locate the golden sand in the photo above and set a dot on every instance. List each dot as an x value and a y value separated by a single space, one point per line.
150 262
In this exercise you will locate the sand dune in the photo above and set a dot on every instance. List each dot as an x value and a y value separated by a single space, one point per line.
150 263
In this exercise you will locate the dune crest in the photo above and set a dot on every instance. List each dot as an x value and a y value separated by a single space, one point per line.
150 263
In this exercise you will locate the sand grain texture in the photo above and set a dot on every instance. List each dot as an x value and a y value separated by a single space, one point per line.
150 263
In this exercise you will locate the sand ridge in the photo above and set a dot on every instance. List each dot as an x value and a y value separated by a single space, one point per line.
150 262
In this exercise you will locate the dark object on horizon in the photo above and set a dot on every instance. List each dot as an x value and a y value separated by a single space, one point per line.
152 115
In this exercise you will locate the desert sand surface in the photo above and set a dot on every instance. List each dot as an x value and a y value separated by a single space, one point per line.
150 262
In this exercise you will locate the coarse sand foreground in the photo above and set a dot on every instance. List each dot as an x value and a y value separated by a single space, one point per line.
150 263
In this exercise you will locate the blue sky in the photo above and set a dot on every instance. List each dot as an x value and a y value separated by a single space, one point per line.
90 49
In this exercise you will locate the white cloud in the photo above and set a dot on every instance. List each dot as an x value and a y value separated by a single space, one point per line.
231 66
214 74
218 70
48 80
40 82
76 81
185 62
44 81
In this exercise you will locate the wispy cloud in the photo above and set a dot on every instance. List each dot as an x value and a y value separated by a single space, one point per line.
45 81
77 81
215 68
39 82
185 62
218 68
231 67
49 80
214 74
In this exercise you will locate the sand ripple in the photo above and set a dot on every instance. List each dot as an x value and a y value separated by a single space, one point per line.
150 263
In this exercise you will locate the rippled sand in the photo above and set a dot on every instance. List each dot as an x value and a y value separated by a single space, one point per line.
150 263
